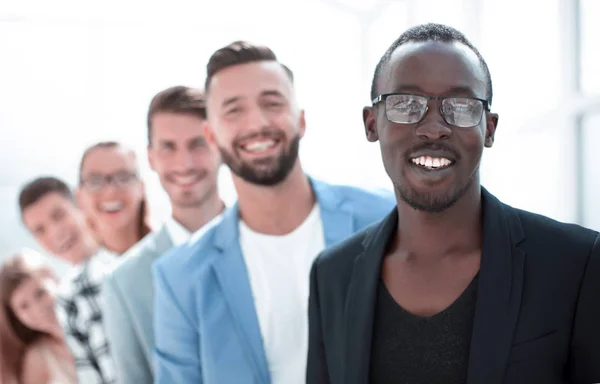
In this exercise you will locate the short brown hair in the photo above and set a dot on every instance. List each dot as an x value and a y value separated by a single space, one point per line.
34 190
239 52
180 100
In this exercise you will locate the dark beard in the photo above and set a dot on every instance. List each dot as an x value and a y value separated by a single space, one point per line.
258 172
434 203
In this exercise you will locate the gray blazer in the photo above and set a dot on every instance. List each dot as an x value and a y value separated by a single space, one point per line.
128 301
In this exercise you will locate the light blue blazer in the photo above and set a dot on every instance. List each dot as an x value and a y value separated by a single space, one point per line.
206 326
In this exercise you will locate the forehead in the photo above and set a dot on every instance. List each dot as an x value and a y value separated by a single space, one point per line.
434 68
176 126
107 160
24 290
249 80
43 208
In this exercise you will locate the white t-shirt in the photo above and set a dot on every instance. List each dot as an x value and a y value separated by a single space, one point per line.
279 273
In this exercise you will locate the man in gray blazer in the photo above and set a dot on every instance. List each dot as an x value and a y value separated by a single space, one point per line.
187 167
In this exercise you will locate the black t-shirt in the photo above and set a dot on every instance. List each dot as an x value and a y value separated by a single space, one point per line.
410 349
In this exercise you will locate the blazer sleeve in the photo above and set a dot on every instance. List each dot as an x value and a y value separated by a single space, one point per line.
176 350
585 342
130 362
316 370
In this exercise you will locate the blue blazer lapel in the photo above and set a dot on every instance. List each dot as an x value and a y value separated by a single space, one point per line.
233 277
337 218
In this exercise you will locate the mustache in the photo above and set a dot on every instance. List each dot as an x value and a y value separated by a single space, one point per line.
440 147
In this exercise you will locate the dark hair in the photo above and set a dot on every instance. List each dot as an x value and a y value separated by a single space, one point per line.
179 100
143 227
34 190
431 32
236 53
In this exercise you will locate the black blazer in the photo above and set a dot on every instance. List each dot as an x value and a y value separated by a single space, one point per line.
537 317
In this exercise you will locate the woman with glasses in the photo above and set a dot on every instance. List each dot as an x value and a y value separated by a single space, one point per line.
112 196
32 345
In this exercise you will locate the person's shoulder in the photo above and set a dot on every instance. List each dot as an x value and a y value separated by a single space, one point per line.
566 246
346 251
354 193
368 204
189 256
138 259
550 230
35 367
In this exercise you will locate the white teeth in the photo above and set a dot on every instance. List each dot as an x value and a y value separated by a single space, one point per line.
111 206
184 180
259 146
432 162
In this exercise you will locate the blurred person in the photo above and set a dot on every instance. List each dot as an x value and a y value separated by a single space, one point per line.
453 286
49 211
231 308
112 195
187 168
32 344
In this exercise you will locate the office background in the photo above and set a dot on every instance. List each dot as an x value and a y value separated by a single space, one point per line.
73 72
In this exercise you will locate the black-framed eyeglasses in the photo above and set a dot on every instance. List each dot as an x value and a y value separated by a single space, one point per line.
405 108
120 179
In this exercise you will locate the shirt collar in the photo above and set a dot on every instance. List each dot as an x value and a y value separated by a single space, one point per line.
177 232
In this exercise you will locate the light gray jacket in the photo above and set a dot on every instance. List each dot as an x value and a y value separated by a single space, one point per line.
128 309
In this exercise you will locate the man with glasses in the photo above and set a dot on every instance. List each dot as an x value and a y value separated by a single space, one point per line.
112 196
453 286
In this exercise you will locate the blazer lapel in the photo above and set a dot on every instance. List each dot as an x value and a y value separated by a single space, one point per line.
232 275
499 292
162 242
361 300
338 220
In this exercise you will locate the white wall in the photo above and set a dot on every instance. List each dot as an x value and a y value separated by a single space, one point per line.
74 72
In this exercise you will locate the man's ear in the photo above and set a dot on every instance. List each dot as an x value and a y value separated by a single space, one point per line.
208 133
490 129
302 123
369 122
150 155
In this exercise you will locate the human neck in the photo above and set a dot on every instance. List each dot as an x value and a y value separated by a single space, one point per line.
119 241
455 231
194 218
276 210
90 250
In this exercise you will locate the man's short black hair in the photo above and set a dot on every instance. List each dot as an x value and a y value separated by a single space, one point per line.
430 32
239 52
179 100
35 189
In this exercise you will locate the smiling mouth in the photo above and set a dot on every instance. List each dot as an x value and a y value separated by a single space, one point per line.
186 180
258 146
67 244
432 163
111 207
